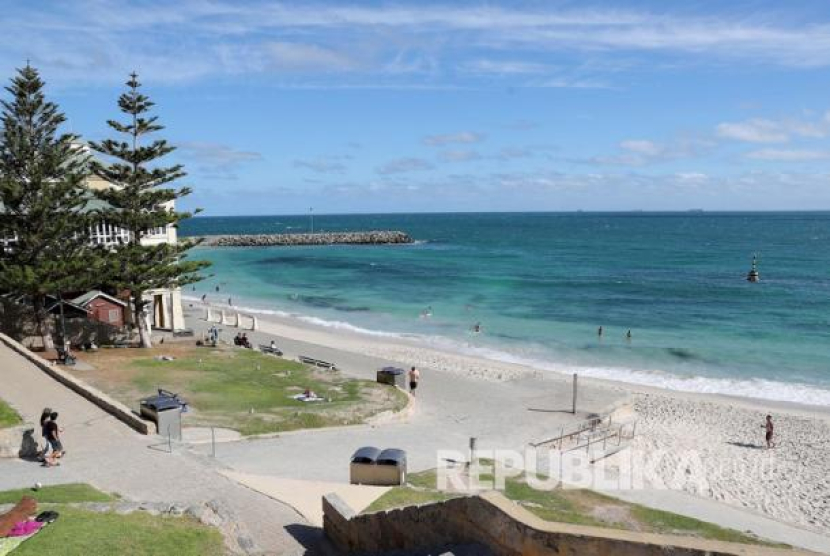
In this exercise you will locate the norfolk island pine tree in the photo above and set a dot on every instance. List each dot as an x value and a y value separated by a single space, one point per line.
42 175
138 203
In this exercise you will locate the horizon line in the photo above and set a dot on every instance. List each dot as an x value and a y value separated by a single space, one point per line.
576 211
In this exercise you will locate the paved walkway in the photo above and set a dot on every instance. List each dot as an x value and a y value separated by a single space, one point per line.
305 496
107 454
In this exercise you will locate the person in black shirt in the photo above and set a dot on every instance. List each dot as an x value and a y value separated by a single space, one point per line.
53 439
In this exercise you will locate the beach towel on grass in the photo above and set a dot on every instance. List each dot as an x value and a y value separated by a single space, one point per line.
25 528
304 398
7 544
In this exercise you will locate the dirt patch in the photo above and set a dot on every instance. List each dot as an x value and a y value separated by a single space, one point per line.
616 516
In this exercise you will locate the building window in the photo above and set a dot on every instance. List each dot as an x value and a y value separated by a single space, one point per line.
6 243
108 235
160 231
113 315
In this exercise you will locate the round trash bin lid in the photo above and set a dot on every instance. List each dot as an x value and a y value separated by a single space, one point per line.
391 456
366 454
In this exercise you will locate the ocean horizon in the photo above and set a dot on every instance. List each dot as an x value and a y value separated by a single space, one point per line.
540 284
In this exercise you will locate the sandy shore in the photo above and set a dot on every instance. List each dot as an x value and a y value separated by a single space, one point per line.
709 446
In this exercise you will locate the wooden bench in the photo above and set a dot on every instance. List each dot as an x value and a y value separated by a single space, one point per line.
317 363
268 349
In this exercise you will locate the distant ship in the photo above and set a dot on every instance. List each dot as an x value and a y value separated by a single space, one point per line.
753 275
695 210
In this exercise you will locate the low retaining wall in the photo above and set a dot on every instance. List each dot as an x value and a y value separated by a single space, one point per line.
111 406
506 529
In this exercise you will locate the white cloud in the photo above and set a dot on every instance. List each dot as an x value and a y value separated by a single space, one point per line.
569 83
216 152
642 146
789 155
403 165
459 156
91 40
641 152
305 57
760 130
505 67
215 160
449 138
755 130
322 165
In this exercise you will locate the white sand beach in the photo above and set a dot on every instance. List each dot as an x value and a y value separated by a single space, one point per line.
713 443
714 448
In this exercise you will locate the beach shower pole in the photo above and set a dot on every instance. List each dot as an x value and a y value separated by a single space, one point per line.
573 408
472 449
311 218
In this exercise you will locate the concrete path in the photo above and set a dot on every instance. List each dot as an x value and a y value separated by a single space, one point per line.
107 454
305 496
447 412
725 516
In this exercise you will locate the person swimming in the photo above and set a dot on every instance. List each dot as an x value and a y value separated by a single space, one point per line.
599 331
477 327
628 335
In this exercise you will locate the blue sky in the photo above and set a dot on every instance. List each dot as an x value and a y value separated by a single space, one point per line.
422 106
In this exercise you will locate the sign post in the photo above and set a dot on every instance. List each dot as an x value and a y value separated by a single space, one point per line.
573 408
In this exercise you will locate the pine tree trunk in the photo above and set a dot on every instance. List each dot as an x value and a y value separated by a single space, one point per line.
43 328
140 315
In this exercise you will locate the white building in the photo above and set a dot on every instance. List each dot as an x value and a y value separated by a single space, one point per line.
165 305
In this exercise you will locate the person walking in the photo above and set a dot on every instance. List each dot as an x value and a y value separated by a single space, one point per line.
44 418
770 432
414 378
53 438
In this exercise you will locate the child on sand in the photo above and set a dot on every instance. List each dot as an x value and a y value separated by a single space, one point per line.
770 428
414 377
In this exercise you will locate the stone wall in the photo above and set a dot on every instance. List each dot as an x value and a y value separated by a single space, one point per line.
506 529
326 238
111 406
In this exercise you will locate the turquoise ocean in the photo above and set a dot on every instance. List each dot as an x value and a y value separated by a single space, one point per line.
540 285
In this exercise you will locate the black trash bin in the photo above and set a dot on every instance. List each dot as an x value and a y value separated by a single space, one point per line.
362 465
392 376
165 409
391 467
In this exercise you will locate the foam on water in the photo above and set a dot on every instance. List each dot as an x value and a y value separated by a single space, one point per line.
751 388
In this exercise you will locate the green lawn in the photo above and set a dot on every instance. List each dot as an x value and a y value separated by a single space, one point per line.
8 416
241 389
58 494
79 532
577 506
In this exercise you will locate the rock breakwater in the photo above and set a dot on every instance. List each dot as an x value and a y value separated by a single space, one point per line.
323 238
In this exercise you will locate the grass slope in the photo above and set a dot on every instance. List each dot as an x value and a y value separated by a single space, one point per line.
241 389
79 532
577 506
8 416
58 494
